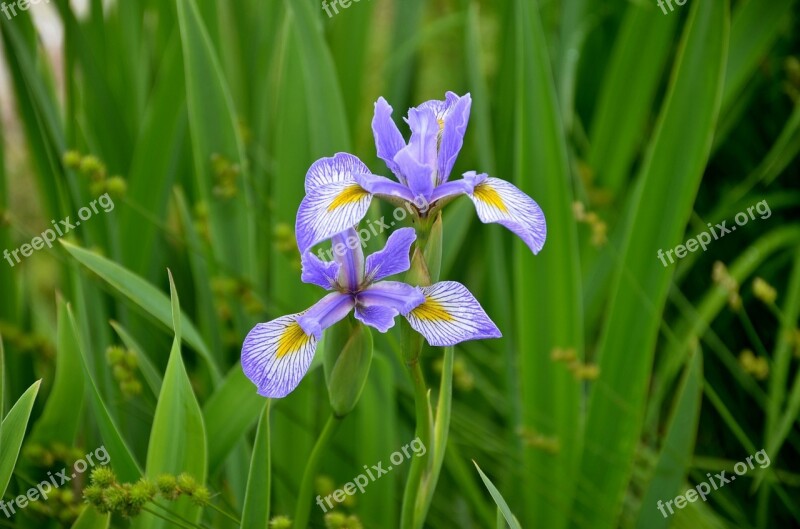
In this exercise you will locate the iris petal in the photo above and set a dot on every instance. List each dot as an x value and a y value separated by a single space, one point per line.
326 312
454 126
394 257
388 139
319 272
451 315
339 168
276 355
330 209
501 202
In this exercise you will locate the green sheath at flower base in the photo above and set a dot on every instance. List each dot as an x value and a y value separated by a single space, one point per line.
348 356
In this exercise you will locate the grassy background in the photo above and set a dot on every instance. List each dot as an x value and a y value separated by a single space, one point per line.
631 128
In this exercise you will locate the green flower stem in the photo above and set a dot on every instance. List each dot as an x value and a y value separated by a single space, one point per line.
303 510
423 432
179 523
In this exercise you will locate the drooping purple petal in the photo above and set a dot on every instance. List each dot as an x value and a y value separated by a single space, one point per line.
501 202
330 209
393 294
319 272
377 316
388 139
394 257
453 127
451 315
339 168
382 186
329 310
348 253
276 355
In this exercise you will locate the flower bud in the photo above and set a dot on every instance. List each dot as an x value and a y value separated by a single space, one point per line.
348 355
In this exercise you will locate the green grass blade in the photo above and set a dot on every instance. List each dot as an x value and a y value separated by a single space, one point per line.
147 297
178 436
676 452
91 519
660 210
255 514
151 376
60 418
548 313
12 433
124 463
499 500
229 413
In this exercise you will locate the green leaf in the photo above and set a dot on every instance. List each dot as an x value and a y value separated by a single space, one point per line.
255 514
149 372
12 432
62 412
499 500
178 436
660 209
229 413
551 398
678 446
214 131
91 519
151 300
125 464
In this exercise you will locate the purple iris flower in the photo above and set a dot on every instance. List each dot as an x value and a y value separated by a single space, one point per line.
339 190
277 354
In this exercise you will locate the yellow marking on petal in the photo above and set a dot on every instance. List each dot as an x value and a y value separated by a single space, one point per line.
349 194
488 194
292 340
432 310
441 124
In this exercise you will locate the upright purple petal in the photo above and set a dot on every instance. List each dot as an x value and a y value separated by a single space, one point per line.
418 160
388 139
381 303
451 315
347 251
501 202
453 127
420 177
330 209
319 272
329 310
394 257
276 355
339 168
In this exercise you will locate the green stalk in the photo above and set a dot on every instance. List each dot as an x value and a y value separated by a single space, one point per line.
423 431
302 512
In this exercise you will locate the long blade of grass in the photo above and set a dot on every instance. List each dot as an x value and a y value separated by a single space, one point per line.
13 431
661 208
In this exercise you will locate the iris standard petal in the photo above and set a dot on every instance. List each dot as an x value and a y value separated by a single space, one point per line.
388 139
501 202
276 355
420 177
394 257
339 168
451 315
326 312
330 209
453 127
348 253
399 296
319 272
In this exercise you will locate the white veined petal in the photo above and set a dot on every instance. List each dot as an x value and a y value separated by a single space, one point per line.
276 355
